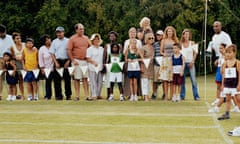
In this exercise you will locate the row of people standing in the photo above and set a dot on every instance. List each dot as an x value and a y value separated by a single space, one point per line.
78 52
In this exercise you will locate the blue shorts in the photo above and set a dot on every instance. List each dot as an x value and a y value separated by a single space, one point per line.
29 77
218 77
134 74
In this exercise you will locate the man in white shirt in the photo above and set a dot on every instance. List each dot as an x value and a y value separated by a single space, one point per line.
6 42
219 37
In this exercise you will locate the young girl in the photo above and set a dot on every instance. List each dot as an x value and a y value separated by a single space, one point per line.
178 63
133 56
95 62
147 72
30 63
230 78
11 76
115 73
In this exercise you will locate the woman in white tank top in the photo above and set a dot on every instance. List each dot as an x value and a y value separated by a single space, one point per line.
16 51
190 56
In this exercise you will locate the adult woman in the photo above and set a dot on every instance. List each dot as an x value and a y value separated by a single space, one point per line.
190 54
16 51
145 28
166 49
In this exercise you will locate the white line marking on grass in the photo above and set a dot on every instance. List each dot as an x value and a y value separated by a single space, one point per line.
220 129
108 114
107 125
75 141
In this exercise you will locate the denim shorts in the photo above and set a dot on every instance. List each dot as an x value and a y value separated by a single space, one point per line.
29 77
133 74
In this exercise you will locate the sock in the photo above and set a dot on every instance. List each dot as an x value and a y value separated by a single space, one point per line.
227 113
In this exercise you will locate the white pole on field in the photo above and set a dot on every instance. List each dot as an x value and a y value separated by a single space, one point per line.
205 45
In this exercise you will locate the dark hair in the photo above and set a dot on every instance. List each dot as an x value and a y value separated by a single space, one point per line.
2 28
15 34
177 45
118 47
8 54
113 32
43 38
29 40
223 44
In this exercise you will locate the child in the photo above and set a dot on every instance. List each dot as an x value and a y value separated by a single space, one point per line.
30 63
178 63
95 62
11 77
133 56
115 73
230 78
218 78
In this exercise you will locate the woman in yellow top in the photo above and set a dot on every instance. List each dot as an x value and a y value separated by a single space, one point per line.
30 63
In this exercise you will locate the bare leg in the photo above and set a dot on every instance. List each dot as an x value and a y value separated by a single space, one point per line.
85 87
165 87
135 86
77 88
21 87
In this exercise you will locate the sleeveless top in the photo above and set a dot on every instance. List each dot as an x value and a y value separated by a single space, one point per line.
133 66
115 60
31 62
187 52
177 64
18 53
231 76
168 49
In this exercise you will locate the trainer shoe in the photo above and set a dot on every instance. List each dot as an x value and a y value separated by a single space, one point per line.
36 97
213 110
9 98
135 98
224 117
235 132
13 98
153 96
215 102
178 98
29 98
121 97
235 109
174 98
111 98
131 98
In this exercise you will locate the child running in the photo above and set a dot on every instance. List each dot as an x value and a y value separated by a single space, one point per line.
230 78
11 76
30 63
178 63
116 72
133 56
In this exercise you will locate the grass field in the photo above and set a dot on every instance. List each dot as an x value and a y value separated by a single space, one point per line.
185 122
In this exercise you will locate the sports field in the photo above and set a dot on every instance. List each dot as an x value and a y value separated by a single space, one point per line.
97 122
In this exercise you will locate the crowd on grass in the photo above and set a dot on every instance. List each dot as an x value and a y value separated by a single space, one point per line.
146 60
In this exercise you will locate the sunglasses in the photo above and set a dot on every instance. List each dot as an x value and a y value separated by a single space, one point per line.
150 38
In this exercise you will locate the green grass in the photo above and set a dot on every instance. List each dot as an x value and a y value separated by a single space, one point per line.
157 121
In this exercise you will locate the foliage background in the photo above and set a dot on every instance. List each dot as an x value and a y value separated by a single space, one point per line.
32 18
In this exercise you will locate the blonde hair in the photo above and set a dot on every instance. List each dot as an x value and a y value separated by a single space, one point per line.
165 36
133 42
132 29
184 31
147 36
143 20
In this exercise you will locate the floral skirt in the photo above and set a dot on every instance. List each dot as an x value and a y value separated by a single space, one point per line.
165 72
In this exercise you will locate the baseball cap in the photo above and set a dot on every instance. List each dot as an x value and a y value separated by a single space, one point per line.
160 32
59 28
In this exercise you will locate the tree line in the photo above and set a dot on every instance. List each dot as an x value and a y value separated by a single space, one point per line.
32 18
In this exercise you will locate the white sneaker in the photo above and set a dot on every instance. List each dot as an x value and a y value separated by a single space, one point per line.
111 98
9 98
213 110
235 132
36 97
131 98
135 98
215 102
235 109
29 98
178 98
121 97
174 98
13 98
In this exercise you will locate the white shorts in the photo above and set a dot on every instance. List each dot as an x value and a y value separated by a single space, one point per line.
231 91
78 74
115 77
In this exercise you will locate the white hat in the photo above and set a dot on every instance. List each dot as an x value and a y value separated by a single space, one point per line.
94 36
160 32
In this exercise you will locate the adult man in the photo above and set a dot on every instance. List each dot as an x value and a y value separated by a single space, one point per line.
58 51
156 46
6 42
219 37
112 35
76 49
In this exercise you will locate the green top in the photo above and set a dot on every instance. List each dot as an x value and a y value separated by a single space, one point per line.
115 60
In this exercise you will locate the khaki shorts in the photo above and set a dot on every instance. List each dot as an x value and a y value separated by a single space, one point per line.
78 74
156 72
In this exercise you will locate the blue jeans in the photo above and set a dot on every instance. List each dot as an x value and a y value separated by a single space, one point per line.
192 72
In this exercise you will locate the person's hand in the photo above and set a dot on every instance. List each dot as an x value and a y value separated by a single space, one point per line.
57 65
42 71
66 65
191 65
74 62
